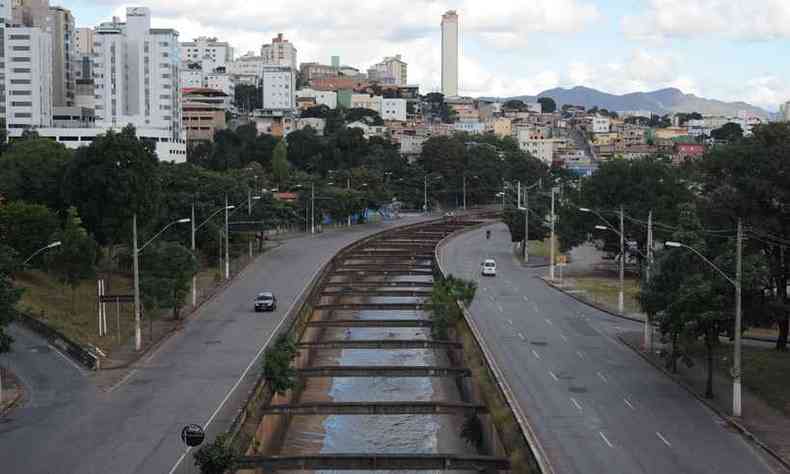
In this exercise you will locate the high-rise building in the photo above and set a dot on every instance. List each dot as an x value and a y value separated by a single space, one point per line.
28 77
392 71
336 62
278 85
450 54
280 52
30 13
136 71
5 20
218 53
85 39
64 57
785 111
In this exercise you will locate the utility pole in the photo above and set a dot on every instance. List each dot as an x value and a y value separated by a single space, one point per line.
227 241
425 194
348 188
553 221
464 186
194 277
138 337
621 295
525 250
312 208
736 369
648 335
249 214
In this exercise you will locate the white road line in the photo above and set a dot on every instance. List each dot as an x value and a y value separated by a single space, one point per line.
526 299
535 307
579 353
499 308
536 354
275 331
548 321
122 381
576 404
510 321
605 439
663 439
556 379
485 289
491 297
564 338
603 377
71 362
630 405
521 336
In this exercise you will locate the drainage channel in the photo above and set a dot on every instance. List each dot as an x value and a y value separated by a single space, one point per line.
378 393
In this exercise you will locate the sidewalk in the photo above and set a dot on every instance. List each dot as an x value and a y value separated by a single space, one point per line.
765 425
12 391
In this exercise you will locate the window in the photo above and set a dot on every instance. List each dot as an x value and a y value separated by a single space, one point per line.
23 115
21 104
20 48
20 60
20 92
21 37
20 81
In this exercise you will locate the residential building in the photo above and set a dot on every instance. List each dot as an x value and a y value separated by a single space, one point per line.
85 39
73 117
468 126
450 54
5 21
311 71
202 48
392 70
393 109
61 27
84 95
464 107
683 152
221 81
328 98
538 143
247 69
204 95
28 55
275 126
338 83
502 127
280 52
317 124
784 111
278 85
191 78
202 118
366 101
84 56
600 124
670 133
30 13
368 130
136 71
336 62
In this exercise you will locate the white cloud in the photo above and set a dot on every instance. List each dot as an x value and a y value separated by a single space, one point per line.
740 19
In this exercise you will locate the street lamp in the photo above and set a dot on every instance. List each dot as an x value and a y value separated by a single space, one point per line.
621 234
195 228
49 246
737 283
136 257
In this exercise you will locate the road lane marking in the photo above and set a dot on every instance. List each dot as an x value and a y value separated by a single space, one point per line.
579 353
491 297
630 405
663 439
499 308
576 404
521 336
535 307
603 377
605 439
536 354
564 338
556 379
485 289
510 321
548 321
526 299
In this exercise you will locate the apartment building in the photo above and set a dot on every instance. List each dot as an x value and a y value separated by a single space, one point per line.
328 98
392 71
280 52
393 109
247 69
64 56
203 48
28 56
366 101
278 85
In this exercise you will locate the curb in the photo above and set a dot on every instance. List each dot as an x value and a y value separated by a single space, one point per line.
748 435
20 395
590 304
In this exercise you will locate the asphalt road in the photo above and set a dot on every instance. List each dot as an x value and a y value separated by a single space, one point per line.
70 425
596 406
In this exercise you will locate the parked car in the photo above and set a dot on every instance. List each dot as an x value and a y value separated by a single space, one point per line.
265 302
488 268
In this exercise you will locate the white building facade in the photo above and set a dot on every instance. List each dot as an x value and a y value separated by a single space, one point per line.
280 52
28 78
450 54
328 98
601 124
217 52
392 70
278 85
366 101
136 74
393 109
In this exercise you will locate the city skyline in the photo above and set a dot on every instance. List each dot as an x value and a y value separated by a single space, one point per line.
509 48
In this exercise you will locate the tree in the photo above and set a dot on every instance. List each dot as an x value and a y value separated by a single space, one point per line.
280 163
729 132
303 146
515 104
365 115
32 171
167 270
548 105
248 97
26 227
75 259
216 457
9 295
110 181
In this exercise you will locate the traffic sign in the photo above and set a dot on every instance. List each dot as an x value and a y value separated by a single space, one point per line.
193 435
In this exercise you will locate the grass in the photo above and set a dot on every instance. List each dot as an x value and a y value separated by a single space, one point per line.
542 248
766 372
606 291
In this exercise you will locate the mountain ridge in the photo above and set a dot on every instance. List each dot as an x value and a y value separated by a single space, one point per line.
661 101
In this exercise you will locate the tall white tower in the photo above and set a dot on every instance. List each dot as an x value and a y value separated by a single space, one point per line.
450 54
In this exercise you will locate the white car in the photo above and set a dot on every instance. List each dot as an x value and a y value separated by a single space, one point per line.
489 267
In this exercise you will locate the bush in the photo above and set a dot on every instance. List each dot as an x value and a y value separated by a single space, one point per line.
444 300
215 458
277 365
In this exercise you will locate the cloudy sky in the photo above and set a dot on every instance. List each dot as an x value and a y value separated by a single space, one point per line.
724 49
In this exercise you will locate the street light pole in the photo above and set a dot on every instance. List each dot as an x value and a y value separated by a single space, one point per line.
227 241
425 195
621 294
464 191
526 227
138 342
648 327
194 277
553 221
249 214
348 188
312 208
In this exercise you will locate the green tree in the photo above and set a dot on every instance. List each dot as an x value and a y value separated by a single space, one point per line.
75 259
9 295
548 105
248 97
26 227
110 180
277 366
216 457
32 171
280 163
167 270
365 115
730 132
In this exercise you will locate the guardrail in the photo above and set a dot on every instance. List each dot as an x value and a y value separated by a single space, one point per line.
76 351
526 429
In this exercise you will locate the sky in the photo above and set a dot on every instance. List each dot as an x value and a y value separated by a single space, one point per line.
722 49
